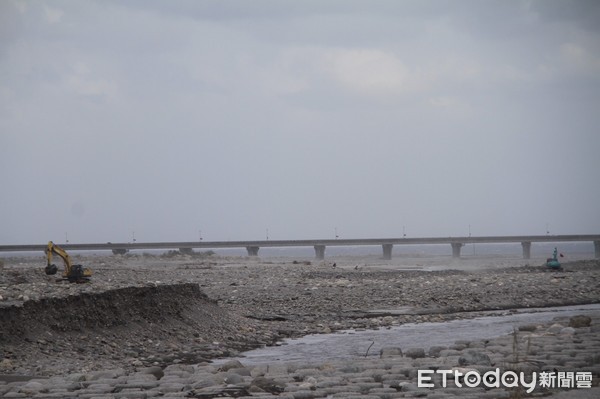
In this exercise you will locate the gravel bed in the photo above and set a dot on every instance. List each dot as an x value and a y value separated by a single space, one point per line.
242 303
563 346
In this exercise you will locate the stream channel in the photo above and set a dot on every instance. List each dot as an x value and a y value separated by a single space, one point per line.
350 343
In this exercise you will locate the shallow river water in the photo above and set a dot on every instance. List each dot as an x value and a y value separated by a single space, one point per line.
350 343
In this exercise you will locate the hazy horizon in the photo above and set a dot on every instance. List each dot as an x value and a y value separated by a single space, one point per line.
234 120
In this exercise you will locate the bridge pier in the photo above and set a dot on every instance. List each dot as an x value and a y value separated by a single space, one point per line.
252 251
320 252
387 251
597 249
526 249
456 246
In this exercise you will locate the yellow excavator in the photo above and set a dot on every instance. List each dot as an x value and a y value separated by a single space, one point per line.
73 273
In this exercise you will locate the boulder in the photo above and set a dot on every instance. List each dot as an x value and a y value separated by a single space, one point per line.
232 364
243 371
33 387
414 353
309 383
156 371
268 385
567 330
555 328
580 321
233 378
390 352
472 357
434 351
528 327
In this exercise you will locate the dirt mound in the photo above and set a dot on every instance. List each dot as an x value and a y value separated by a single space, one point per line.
101 310
147 325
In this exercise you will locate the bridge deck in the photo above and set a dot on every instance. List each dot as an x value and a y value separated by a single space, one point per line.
309 243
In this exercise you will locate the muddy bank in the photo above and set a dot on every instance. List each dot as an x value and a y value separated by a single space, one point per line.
107 309
150 325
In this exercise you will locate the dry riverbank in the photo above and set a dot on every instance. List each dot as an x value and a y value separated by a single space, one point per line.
226 304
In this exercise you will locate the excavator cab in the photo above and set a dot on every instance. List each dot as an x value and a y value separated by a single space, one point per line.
73 273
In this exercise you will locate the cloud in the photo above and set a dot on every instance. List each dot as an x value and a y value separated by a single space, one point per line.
83 82
579 57
370 71
53 15
233 116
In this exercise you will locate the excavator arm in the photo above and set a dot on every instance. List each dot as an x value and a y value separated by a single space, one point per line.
73 273
52 249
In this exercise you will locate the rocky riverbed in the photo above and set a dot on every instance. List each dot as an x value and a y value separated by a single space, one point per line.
558 358
188 309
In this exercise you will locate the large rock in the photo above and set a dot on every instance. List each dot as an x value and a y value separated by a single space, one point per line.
268 385
390 352
567 330
472 357
233 378
243 371
528 327
206 381
232 364
33 387
414 353
434 351
555 328
156 371
580 321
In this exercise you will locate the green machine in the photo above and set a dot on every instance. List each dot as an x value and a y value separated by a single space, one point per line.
553 262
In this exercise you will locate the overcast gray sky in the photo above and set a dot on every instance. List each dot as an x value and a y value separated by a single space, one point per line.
167 118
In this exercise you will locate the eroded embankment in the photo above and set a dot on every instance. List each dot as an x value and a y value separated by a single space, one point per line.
150 304
144 325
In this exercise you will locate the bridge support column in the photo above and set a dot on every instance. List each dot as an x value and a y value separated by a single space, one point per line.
526 249
456 246
252 251
320 251
597 249
387 251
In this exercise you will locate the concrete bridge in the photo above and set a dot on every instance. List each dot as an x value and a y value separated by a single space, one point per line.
387 244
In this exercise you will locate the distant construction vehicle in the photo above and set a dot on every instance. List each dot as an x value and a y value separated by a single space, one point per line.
73 273
553 262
